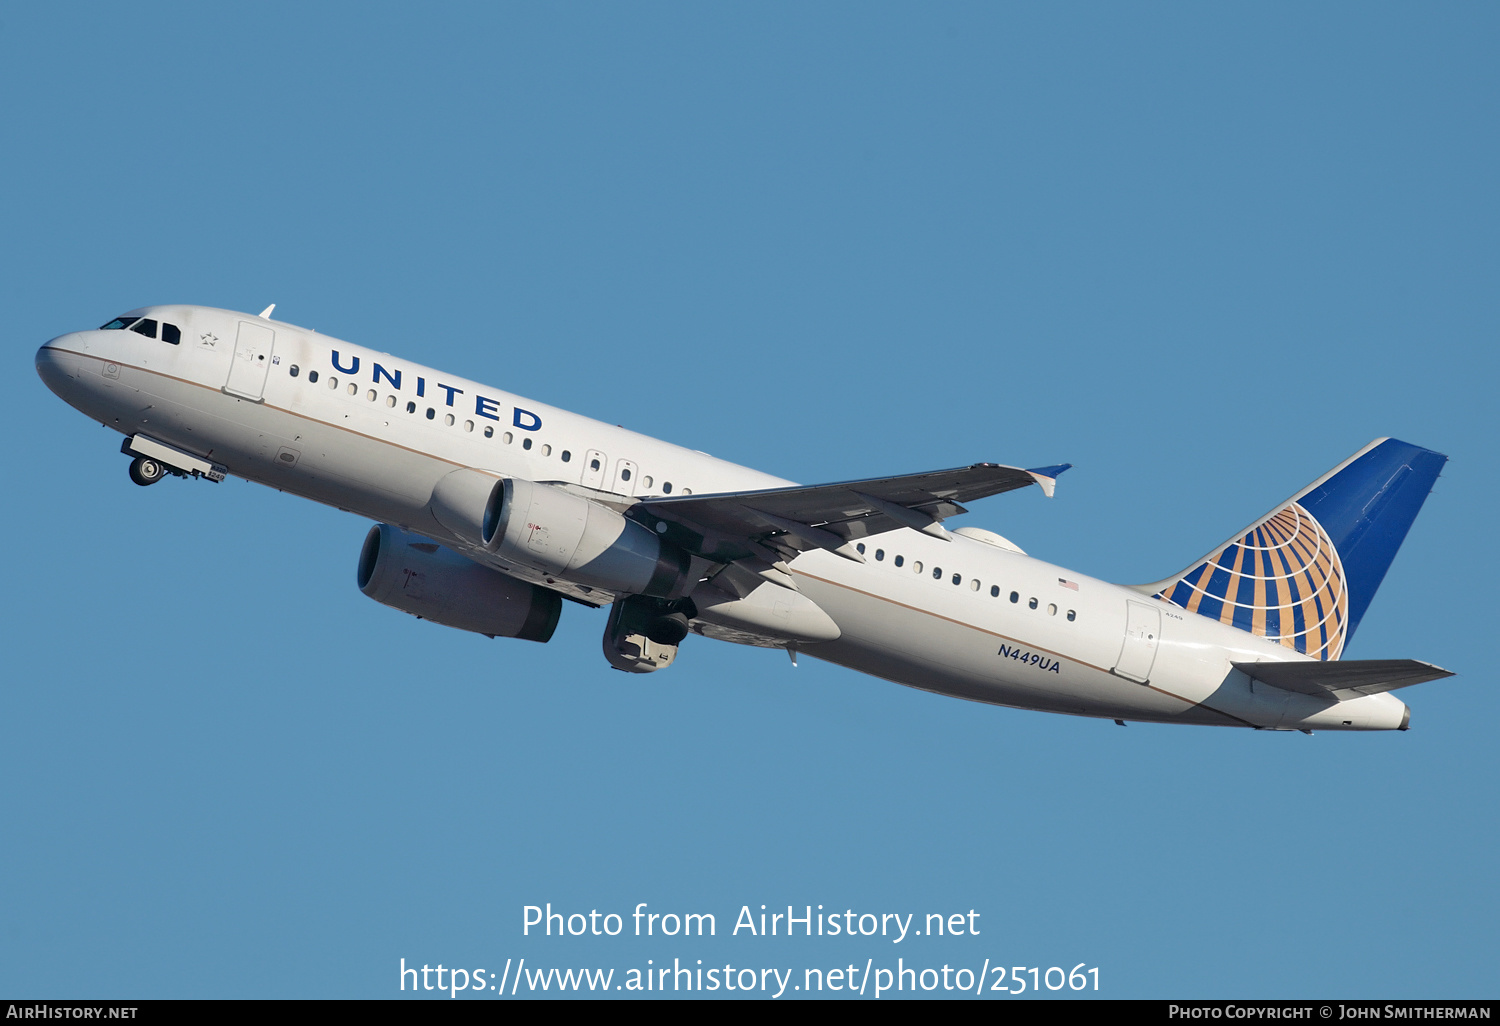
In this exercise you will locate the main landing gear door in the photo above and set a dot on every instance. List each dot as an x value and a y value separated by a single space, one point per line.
252 361
1142 637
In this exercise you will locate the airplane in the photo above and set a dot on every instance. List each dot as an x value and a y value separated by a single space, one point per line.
491 510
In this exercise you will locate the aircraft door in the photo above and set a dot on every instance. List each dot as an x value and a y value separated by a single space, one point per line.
1142 638
252 361
625 475
594 464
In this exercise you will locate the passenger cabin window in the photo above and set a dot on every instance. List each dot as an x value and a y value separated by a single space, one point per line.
293 370
879 555
860 548
899 560
312 377
1072 615
526 443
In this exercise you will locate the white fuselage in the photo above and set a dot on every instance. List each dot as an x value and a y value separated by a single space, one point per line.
943 620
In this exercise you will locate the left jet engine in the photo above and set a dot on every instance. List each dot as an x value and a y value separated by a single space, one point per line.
421 577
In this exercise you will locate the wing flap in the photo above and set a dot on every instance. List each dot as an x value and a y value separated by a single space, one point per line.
1343 679
734 525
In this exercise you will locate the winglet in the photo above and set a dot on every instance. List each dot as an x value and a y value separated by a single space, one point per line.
1047 477
266 313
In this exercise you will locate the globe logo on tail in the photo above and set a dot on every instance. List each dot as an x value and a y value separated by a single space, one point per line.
1282 580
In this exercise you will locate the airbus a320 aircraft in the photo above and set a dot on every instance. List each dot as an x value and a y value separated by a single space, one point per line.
491 509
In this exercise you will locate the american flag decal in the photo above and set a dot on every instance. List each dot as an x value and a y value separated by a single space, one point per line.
1070 585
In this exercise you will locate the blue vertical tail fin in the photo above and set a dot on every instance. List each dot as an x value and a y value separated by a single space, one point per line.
1304 574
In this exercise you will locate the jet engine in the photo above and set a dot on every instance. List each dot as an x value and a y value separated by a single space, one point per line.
421 577
556 532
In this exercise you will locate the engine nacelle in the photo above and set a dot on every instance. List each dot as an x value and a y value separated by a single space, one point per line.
421 577
467 503
559 533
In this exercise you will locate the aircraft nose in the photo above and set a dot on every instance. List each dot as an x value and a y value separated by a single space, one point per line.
57 362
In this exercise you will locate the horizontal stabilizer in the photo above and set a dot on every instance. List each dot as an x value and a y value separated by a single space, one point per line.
1345 679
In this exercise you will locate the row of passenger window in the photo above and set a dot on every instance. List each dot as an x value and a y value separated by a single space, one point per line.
527 442
170 333
974 583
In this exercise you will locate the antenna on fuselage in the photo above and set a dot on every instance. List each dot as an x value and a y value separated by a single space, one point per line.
266 313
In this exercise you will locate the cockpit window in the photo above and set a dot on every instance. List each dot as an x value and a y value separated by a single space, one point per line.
169 332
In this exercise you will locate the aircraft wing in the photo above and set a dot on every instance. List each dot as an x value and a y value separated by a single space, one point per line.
777 523
1346 678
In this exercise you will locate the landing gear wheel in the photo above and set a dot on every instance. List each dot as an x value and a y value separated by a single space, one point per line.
146 471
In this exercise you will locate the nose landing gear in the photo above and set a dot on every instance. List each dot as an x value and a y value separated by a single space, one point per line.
146 471
152 460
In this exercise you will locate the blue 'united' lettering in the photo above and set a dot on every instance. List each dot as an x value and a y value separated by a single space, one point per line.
484 406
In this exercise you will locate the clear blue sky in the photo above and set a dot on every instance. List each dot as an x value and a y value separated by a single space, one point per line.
1203 252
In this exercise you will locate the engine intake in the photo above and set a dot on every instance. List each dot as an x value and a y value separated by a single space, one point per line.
431 582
